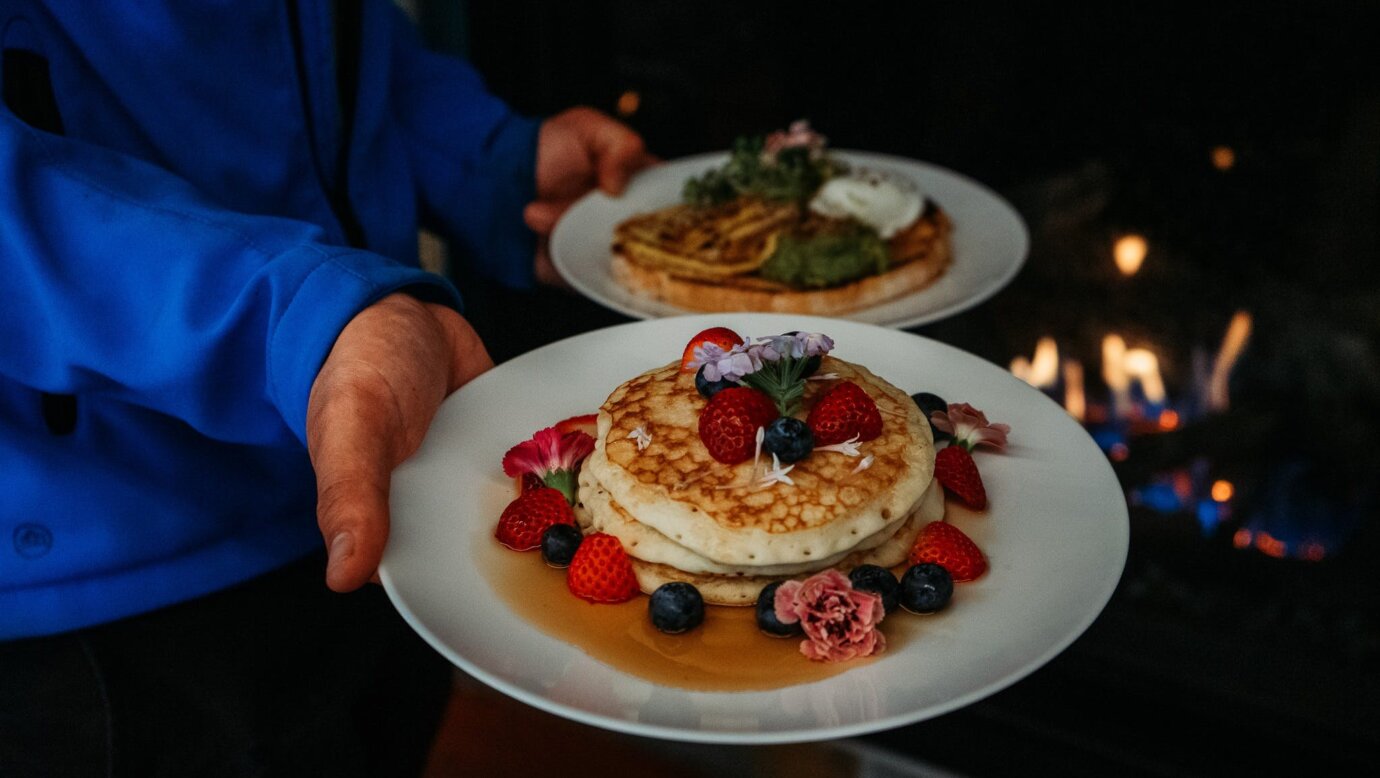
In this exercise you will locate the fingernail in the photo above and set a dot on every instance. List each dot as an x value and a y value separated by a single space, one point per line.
342 546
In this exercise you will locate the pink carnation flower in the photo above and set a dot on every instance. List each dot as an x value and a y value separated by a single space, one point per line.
798 135
551 456
840 622
970 427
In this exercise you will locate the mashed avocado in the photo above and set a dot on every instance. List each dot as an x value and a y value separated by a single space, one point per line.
827 259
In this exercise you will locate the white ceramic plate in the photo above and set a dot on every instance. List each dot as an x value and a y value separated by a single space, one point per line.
989 239
1055 533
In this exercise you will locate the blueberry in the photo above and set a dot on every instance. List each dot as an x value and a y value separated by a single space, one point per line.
766 614
878 580
676 607
926 588
929 403
789 438
558 544
709 388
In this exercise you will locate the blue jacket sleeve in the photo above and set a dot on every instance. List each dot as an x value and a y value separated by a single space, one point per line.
474 157
121 279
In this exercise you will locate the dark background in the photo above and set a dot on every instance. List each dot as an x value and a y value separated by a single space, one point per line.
1215 656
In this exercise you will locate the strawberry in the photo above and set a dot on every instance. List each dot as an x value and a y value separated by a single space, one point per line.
530 482
525 518
728 424
600 571
719 336
947 546
842 413
955 469
588 424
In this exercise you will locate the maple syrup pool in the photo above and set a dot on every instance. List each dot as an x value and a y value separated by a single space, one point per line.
726 653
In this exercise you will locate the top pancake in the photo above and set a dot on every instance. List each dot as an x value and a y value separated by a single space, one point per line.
718 512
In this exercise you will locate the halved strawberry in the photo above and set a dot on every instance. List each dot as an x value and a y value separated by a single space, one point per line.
719 336
955 469
728 424
946 545
842 413
588 424
600 571
525 518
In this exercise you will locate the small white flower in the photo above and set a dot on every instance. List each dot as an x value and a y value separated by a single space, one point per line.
863 465
847 448
777 474
643 439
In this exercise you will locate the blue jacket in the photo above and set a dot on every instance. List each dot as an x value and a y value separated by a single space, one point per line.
177 216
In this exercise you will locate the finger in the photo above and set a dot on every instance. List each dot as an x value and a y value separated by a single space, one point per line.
541 216
619 153
546 271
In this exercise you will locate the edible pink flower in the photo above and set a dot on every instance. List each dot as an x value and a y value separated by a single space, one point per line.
970 427
798 135
552 456
840 622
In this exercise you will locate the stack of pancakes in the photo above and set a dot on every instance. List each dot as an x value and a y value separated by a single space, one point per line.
683 516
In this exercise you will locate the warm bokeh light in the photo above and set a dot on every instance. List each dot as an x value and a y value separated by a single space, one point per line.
1223 158
1242 538
1118 452
1143 365
1075 402
628 103
1169 420
1269 546
1222 491
1233 343
1129 252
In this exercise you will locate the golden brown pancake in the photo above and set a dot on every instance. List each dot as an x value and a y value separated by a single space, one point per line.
720 512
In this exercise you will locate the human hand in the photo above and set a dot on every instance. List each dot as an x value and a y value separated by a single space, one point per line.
369 409
577 150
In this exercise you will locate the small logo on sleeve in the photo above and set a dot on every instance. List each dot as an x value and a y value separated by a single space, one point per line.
32 541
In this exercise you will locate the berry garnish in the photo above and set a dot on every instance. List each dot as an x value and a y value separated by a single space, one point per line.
728 424
525 519
552 456
926 588
929 404
844 412
766 614
955 469
587 423
789 439
946 545
559 543
600 571
707 388
879 581
676 607
531 482
722 337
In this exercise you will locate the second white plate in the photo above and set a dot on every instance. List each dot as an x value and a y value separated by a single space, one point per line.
990 240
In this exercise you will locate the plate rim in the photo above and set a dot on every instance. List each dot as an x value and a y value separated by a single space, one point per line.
983 294
1121 537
